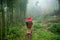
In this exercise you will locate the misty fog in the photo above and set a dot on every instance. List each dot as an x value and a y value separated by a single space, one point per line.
41 7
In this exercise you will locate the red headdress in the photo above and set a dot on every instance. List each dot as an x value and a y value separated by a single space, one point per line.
29 19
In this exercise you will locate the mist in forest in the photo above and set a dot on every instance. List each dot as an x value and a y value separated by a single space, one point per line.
16 15
41 7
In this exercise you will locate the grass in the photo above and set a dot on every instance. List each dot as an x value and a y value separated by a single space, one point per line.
38 33
42 34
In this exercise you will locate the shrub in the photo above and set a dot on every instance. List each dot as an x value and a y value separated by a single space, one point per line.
37 25
13 32
55 28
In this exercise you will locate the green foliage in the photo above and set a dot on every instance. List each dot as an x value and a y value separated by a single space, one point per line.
16 32
55 28
41 34
56 37
13 32
38 32
37 25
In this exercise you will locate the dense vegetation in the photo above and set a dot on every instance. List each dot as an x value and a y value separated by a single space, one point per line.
39 32
13 27
54 27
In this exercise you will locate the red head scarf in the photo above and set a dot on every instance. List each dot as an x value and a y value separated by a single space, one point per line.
29 19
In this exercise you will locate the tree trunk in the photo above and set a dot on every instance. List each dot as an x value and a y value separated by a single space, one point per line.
0 23
3 21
